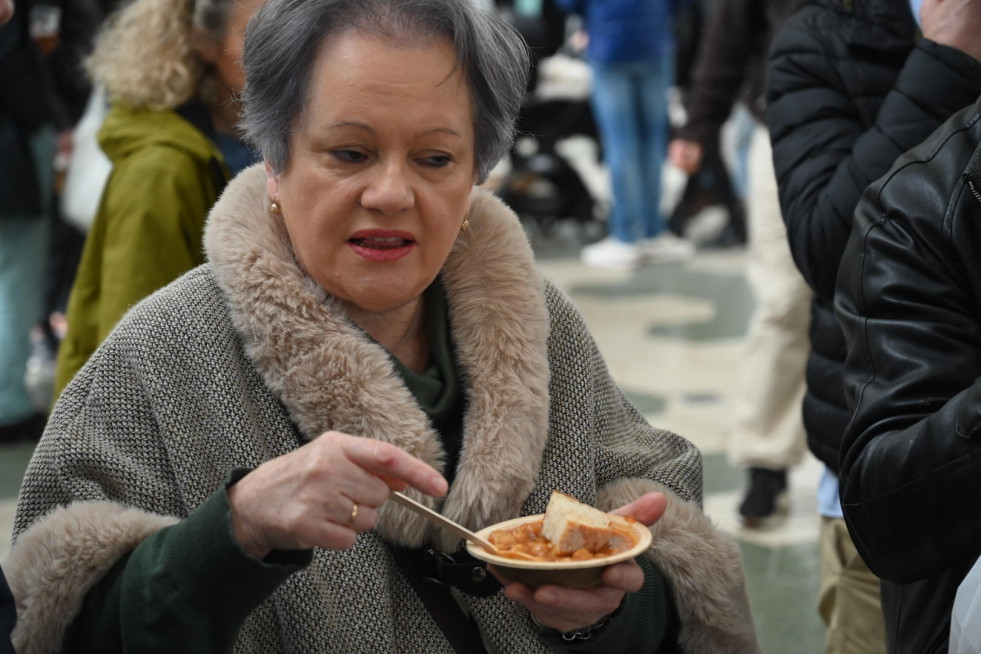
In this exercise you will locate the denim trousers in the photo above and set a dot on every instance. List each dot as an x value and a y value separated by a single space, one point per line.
23 253
630 105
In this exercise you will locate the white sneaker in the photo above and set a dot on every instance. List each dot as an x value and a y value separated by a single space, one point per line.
666 247
612 253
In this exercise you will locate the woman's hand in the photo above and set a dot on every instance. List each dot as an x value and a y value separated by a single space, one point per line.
6 10
308 497
566 609
954 23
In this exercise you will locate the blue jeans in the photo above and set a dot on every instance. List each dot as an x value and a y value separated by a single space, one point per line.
23 253
630 104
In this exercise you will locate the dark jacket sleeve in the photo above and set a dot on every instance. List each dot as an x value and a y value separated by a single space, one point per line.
909 301
734 30
188 587
831 136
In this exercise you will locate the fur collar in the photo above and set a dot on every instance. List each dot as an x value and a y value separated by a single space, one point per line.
331 377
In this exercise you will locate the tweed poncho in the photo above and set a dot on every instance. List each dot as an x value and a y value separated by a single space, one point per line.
223 367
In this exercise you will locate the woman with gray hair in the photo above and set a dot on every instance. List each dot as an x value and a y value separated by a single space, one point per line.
216 478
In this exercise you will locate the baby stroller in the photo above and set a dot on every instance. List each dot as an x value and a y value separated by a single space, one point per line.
542 186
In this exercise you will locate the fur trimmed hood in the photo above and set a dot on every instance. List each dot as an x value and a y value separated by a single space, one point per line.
346 382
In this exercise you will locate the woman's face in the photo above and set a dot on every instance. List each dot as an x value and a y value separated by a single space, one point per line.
226 55
381 169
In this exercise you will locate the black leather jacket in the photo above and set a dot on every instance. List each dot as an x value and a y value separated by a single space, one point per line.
909 300
849 89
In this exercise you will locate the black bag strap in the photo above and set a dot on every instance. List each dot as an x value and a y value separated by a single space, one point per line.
460 630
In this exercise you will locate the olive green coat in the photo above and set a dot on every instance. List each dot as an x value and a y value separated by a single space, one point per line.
149 227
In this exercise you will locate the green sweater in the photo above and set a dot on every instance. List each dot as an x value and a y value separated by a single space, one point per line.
189 587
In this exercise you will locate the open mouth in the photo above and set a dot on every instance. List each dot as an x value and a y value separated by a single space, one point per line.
376 243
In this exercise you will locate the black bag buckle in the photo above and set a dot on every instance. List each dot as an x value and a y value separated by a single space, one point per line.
460 571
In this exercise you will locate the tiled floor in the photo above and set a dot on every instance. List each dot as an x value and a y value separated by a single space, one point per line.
672 337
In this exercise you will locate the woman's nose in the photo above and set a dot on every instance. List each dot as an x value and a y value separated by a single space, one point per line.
389 190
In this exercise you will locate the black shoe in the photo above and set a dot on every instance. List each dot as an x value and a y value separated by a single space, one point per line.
765 487
729 237
29 429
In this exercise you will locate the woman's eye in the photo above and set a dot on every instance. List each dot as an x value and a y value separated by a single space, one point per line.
348 156
436 160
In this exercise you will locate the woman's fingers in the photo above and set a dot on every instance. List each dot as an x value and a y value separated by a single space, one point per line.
323 494
566 609
646 509
385 461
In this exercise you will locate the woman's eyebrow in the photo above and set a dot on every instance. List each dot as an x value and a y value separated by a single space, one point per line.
354 123
439 130
349 123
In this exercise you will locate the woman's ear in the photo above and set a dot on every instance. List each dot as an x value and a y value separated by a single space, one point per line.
272 182
205 46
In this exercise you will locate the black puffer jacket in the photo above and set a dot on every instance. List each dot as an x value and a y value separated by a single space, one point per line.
909 300
848 91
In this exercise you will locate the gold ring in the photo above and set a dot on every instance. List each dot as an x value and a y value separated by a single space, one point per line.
354 514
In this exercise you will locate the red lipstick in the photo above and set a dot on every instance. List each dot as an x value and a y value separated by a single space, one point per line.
381 245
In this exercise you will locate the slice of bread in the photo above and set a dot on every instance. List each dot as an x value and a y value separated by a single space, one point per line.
571 525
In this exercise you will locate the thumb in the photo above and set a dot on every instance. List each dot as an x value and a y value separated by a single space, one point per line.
646 509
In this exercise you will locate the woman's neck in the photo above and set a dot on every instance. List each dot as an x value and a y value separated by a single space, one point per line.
403 332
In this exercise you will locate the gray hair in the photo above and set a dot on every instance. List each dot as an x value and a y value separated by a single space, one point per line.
284 37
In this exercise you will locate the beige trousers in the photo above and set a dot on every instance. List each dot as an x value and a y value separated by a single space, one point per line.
768 431
849 602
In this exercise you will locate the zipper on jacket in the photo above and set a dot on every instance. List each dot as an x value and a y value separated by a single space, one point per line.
974 189
972 174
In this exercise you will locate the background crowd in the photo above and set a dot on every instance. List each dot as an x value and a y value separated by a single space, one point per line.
854 187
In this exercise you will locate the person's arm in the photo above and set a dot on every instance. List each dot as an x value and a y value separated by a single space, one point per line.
826 150
186 588
908 301
732 31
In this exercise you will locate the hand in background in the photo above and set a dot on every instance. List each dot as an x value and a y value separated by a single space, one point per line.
954 23
308 497
686 155
6 10
566 609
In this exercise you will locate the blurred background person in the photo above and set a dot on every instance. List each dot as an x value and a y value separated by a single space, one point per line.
631 54
711 184
64 30
30 115
847 93
8 612
909 300
768 433
171 69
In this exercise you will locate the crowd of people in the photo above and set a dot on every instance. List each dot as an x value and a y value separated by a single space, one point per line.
297 296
